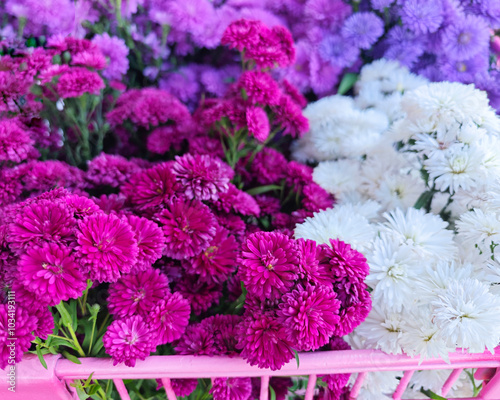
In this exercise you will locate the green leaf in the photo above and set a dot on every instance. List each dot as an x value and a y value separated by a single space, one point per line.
71 357
65 317
424 200
432 395
81 394
94 388
297 358
98 346
262 189
272 392
347 83
40 357
87 382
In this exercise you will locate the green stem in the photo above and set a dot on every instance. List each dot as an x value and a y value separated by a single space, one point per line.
103 325
62 338
92 335
76 342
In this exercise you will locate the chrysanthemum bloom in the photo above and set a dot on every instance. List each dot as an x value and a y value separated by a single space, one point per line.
313 264
10 187
137 294
151 187
268 167
242 34
258 123
298 175
466 37
231 388
111 204
196 341
309 316
106 247
163 138
422 16
129 339
15 142
51 273
169 318
269 264
217 261
201 295
280 386
238 201
45 324
223 328
206 145
80 206
42 221
78 81
362 29
116 51
263 342
150 241
110 170
274 48
260 88
188 227
347 262
289 116
90 58
25 324
41 176
202 177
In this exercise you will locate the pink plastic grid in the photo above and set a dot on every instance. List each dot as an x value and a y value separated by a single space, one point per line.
312 364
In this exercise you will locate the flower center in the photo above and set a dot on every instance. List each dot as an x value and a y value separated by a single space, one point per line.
55 269
461 67
139 295
131 338
464 38
269 261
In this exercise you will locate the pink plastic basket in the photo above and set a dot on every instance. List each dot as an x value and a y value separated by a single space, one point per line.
35 382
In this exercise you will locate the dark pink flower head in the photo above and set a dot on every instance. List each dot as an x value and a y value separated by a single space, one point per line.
78 81
268 205
201 176
289 116
314 265
275 48
355 307
10 187
238 201
294 93
309 315
106 247
268 167
169 318
45 325
206 145
90 59
137 294
188 227
42 221
196 341
269 264
201 295
129 339
51 273
81 206
16 144
315 198
231 388
223 329
260 88
242 34
217 262
263 342
163 138
258 123
111 204
184 387
110 170
347 262
298 175
150 241
151 187
41 176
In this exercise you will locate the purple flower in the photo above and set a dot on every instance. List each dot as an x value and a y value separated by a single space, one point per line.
269 264
464 70
51 273
116 51
338 51
111 170
268 167
201 295
129 339
78 81
347 262
15 142
260 88
184 387
196 341
329 14
106 247
183 84
81 206
163 138
362 29
45 324
258 123
355 304
242 34
466 37
316 198
422 16
137 294
188 227
231 388
238 201
169 318
201 176
150 241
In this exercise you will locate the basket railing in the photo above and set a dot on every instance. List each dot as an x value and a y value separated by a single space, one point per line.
310 364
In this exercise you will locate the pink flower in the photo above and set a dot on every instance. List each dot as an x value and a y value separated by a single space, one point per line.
274 48
78 81
314 265
269 264
347 262
129 339
111 170
80 206
169 318
309 315
238 201
258 123
294 93
201 295
106 246
111 204
337 382
51 273
137 294
202 177
298 175
242 34
231 388
181 387
355 307
196 341
90 59
316 198
15 142
163 138
45 324
289 116
268 167
150 241
260 88
188 227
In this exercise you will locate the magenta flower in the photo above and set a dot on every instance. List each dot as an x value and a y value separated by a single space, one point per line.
163 138
201 295
260 88
269 264
238 201
268 167
129 339
184 387
231 388
152 187
309 316
81 206
289 116
169 318
337 382
150 241
202 177
274 48
78 81
106 246
298 175
347 262
314 264
196 341
223 328
45 324
242 34
316 198
110 170
188 227
263 342
355 306
15 142
111 204
51 273
137 294
218 261
258 123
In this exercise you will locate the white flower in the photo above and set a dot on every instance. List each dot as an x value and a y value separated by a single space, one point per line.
338 223
425 234
338 177
430 379
479 228
392 273
468 315
378 385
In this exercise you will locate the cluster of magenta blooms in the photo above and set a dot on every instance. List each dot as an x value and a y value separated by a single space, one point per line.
203 223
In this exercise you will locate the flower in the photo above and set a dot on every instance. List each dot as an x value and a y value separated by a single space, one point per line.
188 226
196 341
309 315
169 318
184 387
231 388
346 262
242 34
260 88
116 51
355 304
81 206
109 169
466 37
258 123
238 201
137 294
422 16
15 142
201 295
106 247
268 166
201 176
150 241
51 273
362 29
77 81
129 339
289 116
269 264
